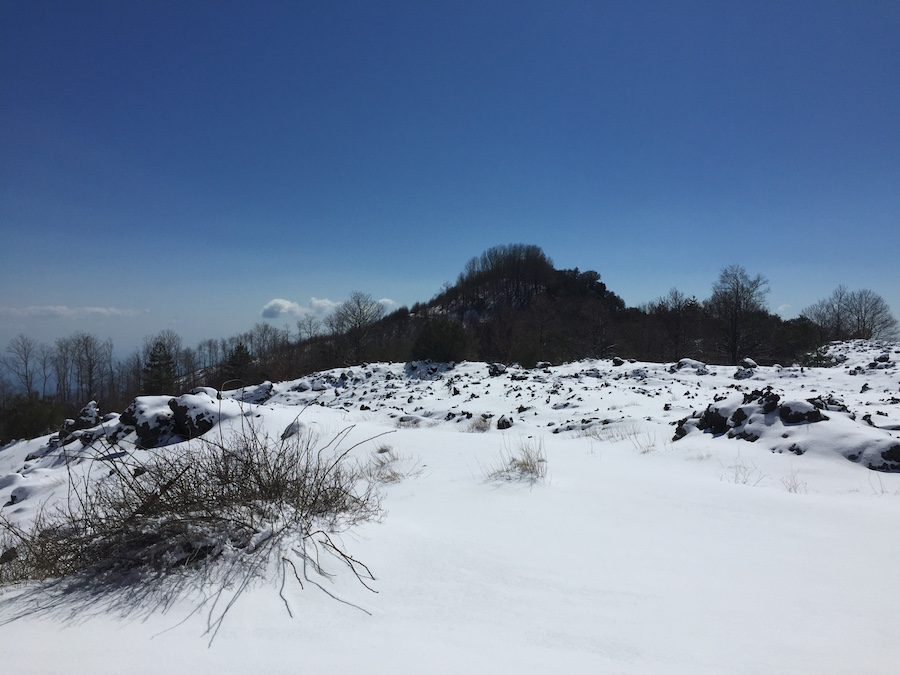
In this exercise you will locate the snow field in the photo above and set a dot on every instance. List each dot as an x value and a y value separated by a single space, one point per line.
635 554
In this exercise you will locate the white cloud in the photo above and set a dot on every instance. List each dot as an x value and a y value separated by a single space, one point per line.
322 306
784 310
61 311
318 307
279 307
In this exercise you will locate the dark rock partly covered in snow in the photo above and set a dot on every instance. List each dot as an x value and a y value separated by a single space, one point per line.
194 414
798 412
427 369
152 420
891 458
766 397
259 393
504 422
87 418
698 367
495 369
161 420
735 417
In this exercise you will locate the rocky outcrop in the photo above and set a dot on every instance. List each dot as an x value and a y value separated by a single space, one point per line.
151 418
161 420
734 417
194 414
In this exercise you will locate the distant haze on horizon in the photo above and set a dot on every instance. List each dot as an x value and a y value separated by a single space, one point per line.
203 166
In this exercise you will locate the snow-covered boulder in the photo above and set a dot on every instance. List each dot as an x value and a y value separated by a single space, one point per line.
194 414
152 420
798 412
295 428
698 367
161 420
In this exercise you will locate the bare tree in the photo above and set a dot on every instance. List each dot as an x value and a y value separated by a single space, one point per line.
63 357
186 364
208 354
858 314
92 361
21 362
266 342
830 314
869 316
354 319
309 326
737 304
45 356
128 377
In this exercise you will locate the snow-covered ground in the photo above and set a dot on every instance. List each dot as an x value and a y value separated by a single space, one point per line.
762 543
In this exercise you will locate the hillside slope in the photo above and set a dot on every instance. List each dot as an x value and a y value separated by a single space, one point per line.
756 542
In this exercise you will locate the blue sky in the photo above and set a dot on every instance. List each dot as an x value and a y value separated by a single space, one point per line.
182 164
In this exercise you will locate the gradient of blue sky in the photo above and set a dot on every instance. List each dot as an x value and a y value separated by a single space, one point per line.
187 162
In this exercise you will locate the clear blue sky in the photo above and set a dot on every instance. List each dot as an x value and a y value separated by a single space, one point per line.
181 164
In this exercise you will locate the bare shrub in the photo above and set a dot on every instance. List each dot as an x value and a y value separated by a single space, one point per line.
742 473
620 430
243 497
526 462
479 424
793 484
386 466
644 442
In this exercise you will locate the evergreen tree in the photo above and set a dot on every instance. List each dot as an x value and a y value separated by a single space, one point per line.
237 365
159 371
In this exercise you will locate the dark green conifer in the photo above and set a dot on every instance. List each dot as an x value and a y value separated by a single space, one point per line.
158 374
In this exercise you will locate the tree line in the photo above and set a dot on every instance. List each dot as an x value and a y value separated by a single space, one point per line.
509 304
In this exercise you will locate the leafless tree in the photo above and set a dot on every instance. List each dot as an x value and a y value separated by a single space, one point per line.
857 314
207 354
187 365
737 304
869 316
20 363
309 326
830 315
128 377
353 319
63 357
45 356
266 342
93 362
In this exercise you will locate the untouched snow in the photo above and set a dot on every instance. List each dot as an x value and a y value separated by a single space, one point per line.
637 554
